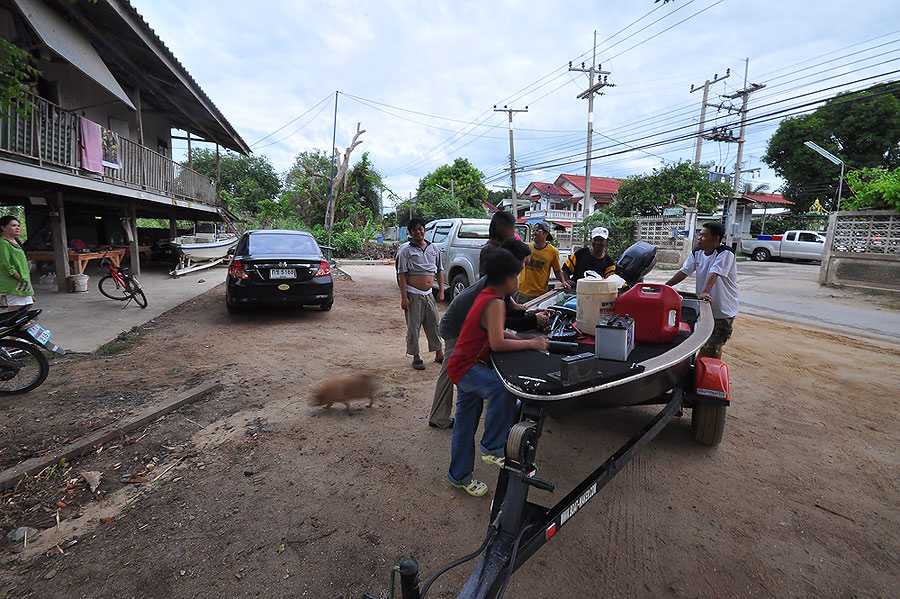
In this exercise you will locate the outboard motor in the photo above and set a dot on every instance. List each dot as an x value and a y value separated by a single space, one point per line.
635 262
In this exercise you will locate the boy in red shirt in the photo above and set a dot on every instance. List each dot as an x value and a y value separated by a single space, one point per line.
471 370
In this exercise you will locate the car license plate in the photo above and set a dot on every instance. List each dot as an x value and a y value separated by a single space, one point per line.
40 334
282 273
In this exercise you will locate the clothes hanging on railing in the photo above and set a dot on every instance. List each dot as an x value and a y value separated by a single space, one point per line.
91 146
110 143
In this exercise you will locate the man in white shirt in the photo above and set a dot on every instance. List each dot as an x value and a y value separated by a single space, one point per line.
715 266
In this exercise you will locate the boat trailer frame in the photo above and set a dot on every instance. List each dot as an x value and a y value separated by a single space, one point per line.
519 527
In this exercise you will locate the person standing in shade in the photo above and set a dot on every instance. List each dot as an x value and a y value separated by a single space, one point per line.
418 264
716 268
544 258
15 277
590 258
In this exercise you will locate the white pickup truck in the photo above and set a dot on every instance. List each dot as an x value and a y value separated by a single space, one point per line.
798 245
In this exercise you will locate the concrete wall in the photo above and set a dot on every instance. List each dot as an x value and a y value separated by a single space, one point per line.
862 249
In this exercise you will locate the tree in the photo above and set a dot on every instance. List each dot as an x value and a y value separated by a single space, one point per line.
645 195
365 185
861 128
339 177
466 180
246 181
874 189
16 67
306 186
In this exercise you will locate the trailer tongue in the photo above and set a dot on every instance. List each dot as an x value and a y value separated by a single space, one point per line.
662 374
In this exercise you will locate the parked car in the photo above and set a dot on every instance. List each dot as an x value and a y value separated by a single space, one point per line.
799 245
277 267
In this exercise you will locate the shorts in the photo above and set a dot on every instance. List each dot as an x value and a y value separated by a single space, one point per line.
721 333
11 300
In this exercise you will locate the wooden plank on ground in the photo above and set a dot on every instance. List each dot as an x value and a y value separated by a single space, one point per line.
11 476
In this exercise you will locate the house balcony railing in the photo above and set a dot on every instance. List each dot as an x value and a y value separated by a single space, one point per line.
564 215
37 131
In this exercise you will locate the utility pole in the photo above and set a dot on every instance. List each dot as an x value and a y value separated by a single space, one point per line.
512 155
589 94
700 131
732 205
331 182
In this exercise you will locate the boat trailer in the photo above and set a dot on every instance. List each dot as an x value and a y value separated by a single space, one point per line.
518 527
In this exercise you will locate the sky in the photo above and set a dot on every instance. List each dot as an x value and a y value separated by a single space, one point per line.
422 78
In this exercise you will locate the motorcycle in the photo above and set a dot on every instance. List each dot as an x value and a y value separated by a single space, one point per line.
23 365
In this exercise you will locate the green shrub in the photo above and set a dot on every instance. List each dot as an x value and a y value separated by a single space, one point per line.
621 231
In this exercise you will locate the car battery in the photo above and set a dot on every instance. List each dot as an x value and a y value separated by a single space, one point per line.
614 338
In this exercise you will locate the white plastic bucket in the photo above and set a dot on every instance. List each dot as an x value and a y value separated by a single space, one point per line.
596 300
78 283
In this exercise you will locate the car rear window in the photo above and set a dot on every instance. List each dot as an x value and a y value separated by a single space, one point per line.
282 243
473 231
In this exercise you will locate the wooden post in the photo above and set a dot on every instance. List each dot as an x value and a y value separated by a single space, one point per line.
218 178
190 156
60 240
138 116
133 241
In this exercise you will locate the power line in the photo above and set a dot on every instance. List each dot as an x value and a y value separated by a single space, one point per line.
323 100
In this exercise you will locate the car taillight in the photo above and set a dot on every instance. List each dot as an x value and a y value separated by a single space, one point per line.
324 269
236 271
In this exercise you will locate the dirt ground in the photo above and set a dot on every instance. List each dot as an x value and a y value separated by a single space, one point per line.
252 492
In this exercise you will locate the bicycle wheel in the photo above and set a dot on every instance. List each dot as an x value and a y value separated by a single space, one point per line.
112 289
136 293
23 367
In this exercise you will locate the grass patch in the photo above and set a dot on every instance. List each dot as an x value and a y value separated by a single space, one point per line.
124 341
892 305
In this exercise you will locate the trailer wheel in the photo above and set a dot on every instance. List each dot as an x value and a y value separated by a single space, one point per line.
761 254
708 423
519 442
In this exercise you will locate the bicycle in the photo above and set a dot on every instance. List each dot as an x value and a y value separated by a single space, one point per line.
120 284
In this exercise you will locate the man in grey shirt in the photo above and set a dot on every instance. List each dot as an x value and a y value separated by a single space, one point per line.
418 264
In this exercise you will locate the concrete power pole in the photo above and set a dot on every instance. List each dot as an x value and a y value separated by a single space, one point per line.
736 193
589 95
512 155
700 131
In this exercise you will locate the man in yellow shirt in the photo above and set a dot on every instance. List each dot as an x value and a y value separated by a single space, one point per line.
544 258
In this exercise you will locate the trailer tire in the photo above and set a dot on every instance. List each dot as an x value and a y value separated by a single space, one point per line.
761 254
708 423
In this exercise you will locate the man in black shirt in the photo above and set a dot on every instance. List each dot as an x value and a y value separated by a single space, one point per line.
590 258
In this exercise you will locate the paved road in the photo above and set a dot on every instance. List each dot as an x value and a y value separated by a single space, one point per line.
791 291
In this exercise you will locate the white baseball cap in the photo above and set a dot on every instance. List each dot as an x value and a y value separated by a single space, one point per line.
600 232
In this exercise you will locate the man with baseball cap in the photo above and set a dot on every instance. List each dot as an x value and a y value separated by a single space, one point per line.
544 257
590 258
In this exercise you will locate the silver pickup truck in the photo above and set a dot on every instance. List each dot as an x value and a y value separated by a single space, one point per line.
799 245
459 241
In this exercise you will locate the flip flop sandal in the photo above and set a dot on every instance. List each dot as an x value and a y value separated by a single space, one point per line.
494 460
473 488
441 361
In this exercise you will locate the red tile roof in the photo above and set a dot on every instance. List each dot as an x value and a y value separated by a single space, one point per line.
768 198
549 189
599 185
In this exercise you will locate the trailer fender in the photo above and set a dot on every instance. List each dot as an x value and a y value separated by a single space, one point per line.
711 381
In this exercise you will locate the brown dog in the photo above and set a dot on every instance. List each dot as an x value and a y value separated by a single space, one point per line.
344 390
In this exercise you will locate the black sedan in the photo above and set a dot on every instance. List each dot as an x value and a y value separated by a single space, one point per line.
276 267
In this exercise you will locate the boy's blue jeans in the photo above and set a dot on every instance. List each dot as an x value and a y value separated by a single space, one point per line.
479 383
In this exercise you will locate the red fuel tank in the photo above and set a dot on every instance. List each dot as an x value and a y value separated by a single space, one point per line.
656 310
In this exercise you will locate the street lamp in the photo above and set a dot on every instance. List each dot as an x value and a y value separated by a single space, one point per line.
833 159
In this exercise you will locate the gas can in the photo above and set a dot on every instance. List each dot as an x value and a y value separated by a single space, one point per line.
656 310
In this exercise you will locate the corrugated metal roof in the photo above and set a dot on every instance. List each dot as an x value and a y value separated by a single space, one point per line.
139 58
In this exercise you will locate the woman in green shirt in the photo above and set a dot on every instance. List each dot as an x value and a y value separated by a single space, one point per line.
15 279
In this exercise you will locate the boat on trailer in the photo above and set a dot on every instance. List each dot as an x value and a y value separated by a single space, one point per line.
204 248
668 374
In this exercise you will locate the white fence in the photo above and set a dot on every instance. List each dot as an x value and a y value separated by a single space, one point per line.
863 249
